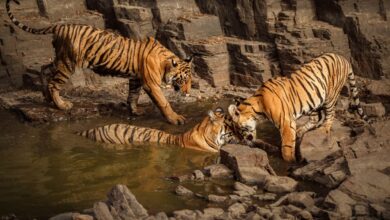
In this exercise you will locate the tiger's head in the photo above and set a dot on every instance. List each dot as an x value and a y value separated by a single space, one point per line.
214 131
178 74
245 116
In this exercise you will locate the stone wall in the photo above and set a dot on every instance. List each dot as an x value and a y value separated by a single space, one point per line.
240 42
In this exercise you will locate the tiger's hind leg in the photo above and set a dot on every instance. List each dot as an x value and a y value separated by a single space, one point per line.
56 83
328 121
135 86
46 74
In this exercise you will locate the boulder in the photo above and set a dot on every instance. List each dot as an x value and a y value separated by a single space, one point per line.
187 214
280 184
249 164
265 197
124 203
212 213
236 210
102 212
244 189
340 203
374 109
315 145
182 191
218 171
216 198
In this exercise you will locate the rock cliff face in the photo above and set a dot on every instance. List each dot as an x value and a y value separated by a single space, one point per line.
240 42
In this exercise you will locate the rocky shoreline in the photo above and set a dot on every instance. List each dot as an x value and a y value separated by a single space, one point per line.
357 186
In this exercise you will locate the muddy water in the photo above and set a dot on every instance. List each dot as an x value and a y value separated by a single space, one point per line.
46 169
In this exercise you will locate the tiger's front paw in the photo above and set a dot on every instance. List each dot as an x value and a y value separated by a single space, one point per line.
138 111
288 154
65 105
176 119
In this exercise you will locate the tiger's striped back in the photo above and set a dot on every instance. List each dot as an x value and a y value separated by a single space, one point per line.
127 134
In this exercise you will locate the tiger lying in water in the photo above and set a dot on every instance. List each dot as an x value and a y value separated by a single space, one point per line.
146 63
313 89
213 132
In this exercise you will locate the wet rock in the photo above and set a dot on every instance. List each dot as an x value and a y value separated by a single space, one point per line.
218 171
249 164
197 175
374 109
216 198
181 178
212 213
182 191
124 203
280 184
63 216
265 197
187 214
236 210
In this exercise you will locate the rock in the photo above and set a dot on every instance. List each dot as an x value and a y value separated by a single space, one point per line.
280 184
302 200
370 187
182 191
265 197
63 216
360 210
187 214
82 217
236 210
253 216
330 171
216 198
374 109
242 187
379 87
101 211
248 164
124 202
377 210
315 146
218 171
181 178
197 175
340 202
212 213
161 216
264 212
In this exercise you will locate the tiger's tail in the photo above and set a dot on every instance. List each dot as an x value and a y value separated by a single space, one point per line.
24 27
355 105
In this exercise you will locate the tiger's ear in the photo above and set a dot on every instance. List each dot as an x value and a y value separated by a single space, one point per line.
238 100
233 111
212 116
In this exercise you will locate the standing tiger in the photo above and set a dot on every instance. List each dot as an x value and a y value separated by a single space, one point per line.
209 135
145 62
311 90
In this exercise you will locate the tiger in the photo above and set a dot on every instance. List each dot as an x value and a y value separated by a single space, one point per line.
312 90
145 62
209 135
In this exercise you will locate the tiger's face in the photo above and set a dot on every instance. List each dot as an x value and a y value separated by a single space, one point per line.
217 130
179 75
244 121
